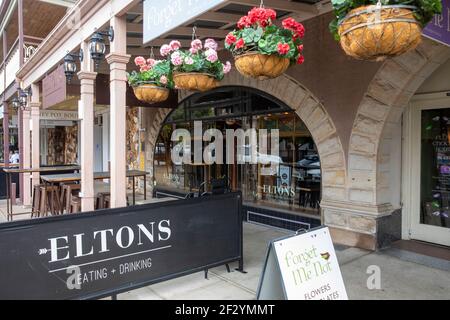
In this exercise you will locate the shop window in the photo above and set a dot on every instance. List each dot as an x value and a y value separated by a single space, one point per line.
292 180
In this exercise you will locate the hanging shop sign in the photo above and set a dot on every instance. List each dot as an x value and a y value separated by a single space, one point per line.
439 28
162 16
54 88
302 267
58 115
97 254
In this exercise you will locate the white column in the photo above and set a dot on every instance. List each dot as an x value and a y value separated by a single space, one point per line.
86 114
118 60
105 139
35 143
26 156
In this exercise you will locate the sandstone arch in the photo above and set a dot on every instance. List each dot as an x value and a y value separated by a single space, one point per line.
309 109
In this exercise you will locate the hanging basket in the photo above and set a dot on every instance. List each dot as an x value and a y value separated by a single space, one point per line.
151 93
378 32
194 81
261 66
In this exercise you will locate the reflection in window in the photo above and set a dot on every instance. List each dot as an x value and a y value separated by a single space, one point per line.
435 168
291 182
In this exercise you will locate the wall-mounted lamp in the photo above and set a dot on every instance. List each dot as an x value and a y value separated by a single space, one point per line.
70 67
97 46
22 99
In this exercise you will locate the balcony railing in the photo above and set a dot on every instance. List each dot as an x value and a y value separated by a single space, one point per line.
11 64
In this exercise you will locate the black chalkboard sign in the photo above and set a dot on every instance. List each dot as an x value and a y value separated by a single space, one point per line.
97 254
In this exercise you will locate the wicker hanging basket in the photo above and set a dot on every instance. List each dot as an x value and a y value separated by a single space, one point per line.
151 93
378 32
261 66
194 81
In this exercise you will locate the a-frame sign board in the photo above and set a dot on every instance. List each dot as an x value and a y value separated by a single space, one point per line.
302 267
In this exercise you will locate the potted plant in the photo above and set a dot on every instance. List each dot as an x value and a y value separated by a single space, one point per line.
263 50
153 81
377 29
197 69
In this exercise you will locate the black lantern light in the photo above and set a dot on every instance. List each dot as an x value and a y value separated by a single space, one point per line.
97 46
70 67
20 102
15 103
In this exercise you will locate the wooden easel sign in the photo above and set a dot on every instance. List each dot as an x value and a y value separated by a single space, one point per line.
302 267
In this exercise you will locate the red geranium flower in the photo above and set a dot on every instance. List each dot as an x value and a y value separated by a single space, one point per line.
296 27
271 14
244 22
300 60
240 44
262 16
300 48
230 39
283 49
300 30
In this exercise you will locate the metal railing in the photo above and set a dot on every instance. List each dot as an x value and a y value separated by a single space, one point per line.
11 62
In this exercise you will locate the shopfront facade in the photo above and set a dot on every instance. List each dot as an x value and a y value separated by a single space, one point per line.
346 141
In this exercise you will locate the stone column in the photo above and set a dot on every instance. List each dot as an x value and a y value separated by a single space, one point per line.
118 60
26 156
86 115
35 142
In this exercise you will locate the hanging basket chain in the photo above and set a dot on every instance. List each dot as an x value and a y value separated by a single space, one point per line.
152 54
194 33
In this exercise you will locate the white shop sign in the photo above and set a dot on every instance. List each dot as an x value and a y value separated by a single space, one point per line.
302 267
162 16
57 115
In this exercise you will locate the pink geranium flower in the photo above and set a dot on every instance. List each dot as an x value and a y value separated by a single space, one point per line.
211 44
211 55
197 44
227 67
175 45
151 62
166 50
176 59
140 61
163 80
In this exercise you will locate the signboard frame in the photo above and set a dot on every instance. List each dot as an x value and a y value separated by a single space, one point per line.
196 203
268 264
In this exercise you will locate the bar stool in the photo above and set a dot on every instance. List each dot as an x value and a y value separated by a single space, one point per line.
36 202
50 200
75 204
103 200
67 192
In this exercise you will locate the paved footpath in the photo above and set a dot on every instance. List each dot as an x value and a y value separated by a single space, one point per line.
404 275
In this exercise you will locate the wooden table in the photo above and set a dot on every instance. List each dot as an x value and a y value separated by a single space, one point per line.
11 170
76 177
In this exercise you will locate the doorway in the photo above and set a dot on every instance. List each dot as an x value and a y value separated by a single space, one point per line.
427 142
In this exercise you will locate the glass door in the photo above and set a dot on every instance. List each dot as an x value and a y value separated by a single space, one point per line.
431 167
